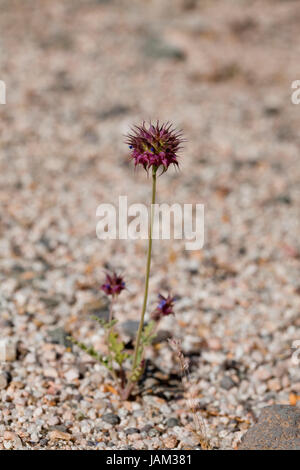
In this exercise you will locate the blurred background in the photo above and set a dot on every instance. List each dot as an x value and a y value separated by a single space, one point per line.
78 74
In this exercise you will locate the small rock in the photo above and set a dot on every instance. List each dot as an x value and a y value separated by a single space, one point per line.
44 442
156 48
59 336
262 374
59 427
59 435
147 428
272 106
115 111
227 383
138 445
153 432
98 308
214 344
274 385
130 327
173 422
129 431
8 350
51 302
3 380
50 372
170 442
71 374
276 429
11 436
111 418
161 336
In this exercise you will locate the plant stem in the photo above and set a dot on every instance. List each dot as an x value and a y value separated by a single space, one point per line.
110 318
139 333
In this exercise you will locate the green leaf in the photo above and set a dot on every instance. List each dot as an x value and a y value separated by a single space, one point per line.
91 351
103 323
116 347
147 334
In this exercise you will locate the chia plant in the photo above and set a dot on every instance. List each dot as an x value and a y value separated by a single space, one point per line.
155 148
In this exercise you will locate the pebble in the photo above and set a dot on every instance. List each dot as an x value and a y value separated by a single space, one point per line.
71 375
274 385
8 350
59 435
262 374
171 422
238 297
131 431
3 380
214 344
170 442
111 418
227 383
50 372
12 436
130 327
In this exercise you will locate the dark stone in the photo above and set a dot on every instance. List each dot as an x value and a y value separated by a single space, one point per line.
284 199
92 443
227 383
114 111
8 376
130 327
43 442
153 432
147 428
158 49
161 336
131 431
173 422
110 444
60 336
51 302
111 418
98 308
278 428
58 427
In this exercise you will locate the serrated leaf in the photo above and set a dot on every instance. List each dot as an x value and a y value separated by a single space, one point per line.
91 351
116 347
106 325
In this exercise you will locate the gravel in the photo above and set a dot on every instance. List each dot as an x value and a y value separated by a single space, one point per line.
220 71
111 418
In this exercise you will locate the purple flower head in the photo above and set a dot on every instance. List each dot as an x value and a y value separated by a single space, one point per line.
113 285
155 145
164 308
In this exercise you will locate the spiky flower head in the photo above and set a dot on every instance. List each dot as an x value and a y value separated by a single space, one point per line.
155 145
113 285
164 308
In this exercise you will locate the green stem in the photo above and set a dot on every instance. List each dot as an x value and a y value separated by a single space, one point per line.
110 318
139 333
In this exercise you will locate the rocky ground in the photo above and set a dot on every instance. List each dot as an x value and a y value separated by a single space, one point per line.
78 74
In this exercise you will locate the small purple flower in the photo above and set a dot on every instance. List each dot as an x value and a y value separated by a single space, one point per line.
155 145
113 285
164 308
